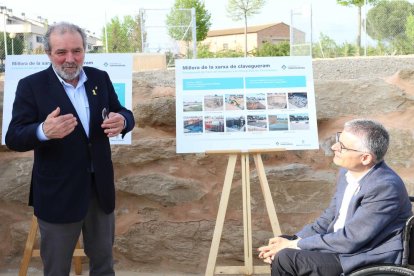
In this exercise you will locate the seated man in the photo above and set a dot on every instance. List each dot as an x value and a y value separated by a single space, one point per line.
364 221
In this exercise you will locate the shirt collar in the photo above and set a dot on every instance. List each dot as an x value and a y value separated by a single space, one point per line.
351 178
82 78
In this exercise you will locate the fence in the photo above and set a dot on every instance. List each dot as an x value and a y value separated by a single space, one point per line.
301 33
384 29
169 31
175 35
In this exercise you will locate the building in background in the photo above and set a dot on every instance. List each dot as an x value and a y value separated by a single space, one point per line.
233 39
31 31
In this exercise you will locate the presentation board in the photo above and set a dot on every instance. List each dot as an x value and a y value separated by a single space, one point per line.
118 66
246 104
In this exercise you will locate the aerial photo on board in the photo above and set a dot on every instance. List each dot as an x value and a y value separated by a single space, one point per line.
214 123
192 103
256 101
276 101
256 123
299 121
213 103
235 123
298 100
193 124
278 122
234 101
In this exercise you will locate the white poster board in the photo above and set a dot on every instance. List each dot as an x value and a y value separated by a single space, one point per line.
118 66
245 104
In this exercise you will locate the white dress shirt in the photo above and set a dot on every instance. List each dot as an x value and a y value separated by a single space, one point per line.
351 189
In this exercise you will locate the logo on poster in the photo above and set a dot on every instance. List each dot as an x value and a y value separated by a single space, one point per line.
295 67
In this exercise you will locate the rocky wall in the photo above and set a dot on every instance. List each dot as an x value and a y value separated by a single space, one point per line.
167 203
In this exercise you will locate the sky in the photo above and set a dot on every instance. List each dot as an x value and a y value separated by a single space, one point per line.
331 19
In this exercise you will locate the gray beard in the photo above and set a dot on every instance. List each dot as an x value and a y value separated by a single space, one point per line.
68 76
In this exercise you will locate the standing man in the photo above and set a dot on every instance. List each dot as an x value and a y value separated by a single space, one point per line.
364 221
66 114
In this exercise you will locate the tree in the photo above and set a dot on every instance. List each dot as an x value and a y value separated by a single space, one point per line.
179 21
359 4
242 9
204 52
133 30
17 47
123 36
409 29
326 48
390 21
268 49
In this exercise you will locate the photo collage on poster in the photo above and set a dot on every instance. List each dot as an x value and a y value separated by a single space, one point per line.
251 112
246 104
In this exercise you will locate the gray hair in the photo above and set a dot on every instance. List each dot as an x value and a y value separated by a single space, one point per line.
62 27
374 137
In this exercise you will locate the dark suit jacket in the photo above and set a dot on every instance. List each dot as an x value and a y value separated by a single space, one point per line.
61 177
373 225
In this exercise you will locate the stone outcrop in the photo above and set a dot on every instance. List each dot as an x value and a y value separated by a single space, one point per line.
167 203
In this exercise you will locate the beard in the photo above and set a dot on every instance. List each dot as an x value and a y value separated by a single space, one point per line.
68 70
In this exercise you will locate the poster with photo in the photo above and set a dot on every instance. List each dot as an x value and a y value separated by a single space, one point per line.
118 67
245 104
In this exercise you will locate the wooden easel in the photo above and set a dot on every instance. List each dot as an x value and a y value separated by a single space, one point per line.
248 268
30 252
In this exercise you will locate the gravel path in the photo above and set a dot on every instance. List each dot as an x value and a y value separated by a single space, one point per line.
360 67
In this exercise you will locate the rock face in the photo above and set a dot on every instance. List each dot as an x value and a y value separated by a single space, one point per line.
167 203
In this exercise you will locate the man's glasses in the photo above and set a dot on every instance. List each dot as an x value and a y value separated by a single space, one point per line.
342 145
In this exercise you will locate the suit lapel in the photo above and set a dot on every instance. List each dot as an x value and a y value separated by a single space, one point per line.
58 93
92 92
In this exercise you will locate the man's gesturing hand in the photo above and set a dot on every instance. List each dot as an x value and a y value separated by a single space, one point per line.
58 126
113 124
